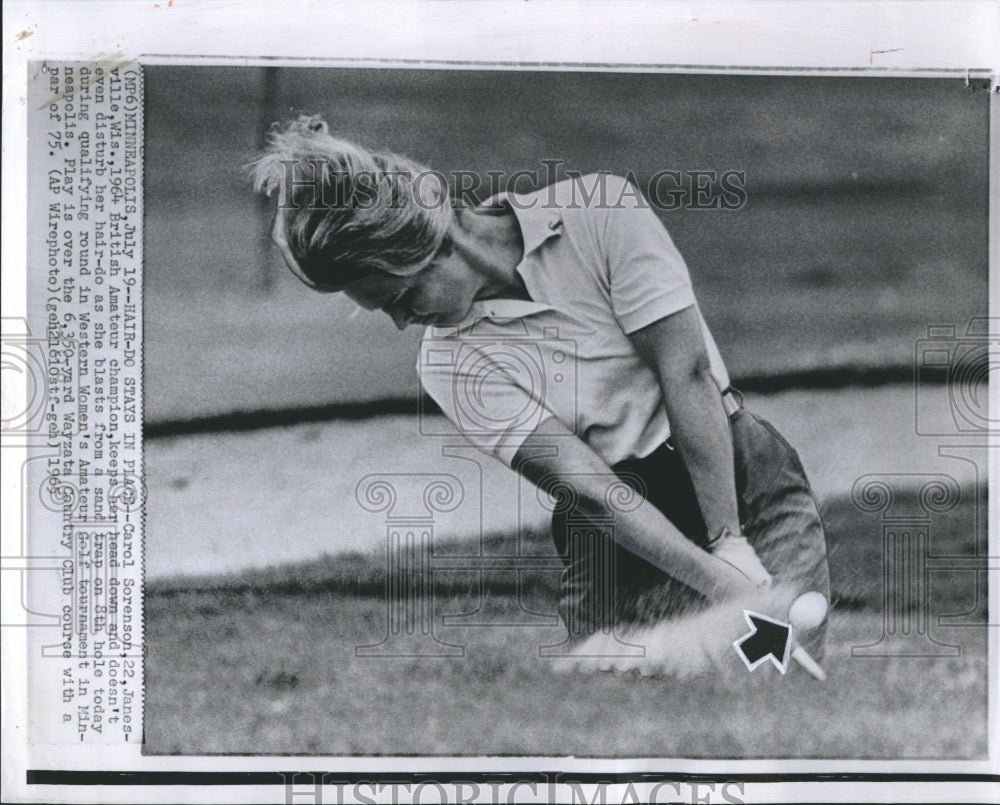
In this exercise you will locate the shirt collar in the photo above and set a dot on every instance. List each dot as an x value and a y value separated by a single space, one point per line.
538 220
496 310
538 223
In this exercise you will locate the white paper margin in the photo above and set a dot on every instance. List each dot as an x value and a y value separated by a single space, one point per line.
933 38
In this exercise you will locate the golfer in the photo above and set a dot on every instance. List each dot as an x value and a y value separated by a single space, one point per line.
563 338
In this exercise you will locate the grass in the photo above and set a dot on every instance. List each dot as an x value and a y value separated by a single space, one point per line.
277 675
264 662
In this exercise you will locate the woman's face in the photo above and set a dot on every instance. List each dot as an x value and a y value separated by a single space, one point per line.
440 293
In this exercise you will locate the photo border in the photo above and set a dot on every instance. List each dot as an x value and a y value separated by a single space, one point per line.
253 778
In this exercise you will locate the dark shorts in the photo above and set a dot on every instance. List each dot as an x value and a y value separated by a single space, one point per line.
604 585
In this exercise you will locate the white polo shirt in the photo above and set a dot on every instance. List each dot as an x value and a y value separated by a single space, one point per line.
595 273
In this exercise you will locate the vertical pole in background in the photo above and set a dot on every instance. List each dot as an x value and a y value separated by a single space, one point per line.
268 115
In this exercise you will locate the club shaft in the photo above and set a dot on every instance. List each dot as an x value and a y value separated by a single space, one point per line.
803 658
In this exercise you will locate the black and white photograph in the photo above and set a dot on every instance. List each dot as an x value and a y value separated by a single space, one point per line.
500 402
514 400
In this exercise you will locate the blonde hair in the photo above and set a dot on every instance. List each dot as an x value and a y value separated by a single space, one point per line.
376 212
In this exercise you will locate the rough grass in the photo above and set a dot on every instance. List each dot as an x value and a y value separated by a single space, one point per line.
278 674
265 662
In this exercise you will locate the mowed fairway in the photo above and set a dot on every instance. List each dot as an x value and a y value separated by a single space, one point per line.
264 662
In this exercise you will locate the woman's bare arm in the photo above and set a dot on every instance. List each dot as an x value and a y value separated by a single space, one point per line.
675 350
554 456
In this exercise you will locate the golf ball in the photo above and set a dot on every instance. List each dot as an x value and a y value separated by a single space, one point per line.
807 611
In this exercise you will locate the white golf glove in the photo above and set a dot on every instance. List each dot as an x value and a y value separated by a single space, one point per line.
736 551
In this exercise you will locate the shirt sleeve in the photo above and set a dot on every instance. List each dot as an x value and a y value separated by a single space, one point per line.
647 275
486 391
